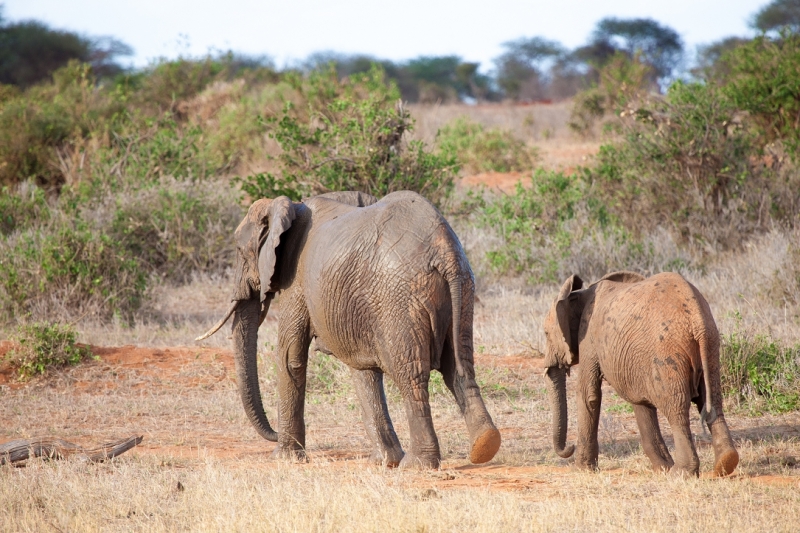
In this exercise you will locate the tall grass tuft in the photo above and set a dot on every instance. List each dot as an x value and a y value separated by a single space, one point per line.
759 373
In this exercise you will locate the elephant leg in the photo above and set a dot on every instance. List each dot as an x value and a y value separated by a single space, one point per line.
293 342
686 460
375 413
726 458
413 385
484 437
652 441
590 396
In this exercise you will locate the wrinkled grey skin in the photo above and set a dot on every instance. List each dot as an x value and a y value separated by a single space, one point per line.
655 342
375 283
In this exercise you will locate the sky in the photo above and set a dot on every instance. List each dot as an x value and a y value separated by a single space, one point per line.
290 30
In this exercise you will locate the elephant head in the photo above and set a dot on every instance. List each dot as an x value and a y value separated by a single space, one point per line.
561 329
256 279
258 276
561 353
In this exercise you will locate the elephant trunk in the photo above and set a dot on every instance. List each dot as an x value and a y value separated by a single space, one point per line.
558 400
246 319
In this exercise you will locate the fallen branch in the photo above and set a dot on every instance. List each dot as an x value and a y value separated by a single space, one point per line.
19 451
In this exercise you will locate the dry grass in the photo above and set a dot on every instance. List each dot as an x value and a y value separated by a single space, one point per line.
540 122
196 435
142 494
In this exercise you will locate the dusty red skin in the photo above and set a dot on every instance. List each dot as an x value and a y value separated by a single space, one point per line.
655 342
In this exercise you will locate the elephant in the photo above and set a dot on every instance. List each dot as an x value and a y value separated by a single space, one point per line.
384 286
655 342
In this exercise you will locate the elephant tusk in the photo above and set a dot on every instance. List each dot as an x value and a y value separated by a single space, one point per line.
219 324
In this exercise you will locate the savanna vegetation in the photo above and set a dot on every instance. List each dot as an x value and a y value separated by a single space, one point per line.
121 190
118 183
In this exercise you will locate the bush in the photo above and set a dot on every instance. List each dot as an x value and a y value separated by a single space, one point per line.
762 78
43 345
350 136
684 162
178 227
34 125
66 266
759 374
480 150
622 81
22 209
166 84
713 161
557 227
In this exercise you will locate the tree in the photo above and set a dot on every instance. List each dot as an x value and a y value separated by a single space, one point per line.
423 79
522 68
777 15
30 52
659 46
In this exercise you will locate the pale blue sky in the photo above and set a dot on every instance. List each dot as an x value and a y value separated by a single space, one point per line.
292 29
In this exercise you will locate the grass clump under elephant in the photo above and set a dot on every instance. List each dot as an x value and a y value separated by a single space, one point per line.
385 287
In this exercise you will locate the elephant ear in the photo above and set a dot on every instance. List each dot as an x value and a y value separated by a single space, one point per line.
277 220
564 315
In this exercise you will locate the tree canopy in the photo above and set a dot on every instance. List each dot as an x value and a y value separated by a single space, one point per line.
777 15
660 46
521 69
30 52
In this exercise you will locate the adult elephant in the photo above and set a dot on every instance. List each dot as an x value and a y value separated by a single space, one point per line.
655 342
382 285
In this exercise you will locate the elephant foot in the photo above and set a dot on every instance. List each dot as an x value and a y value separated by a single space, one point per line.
726 463
683 473
661 468
485 446
420 463
586 467
290 455
388 458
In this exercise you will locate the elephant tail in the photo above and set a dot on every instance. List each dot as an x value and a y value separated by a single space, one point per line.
455 299
708 414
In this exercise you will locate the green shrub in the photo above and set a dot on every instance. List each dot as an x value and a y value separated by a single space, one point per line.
760 374
178 227
686 162
713 161
622 81
327 376
37 123
22 208
67 265
559 226
166 83
480 150
349 135
43 345
762 78
529 221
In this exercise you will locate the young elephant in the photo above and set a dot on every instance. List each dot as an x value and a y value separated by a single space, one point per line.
654 340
